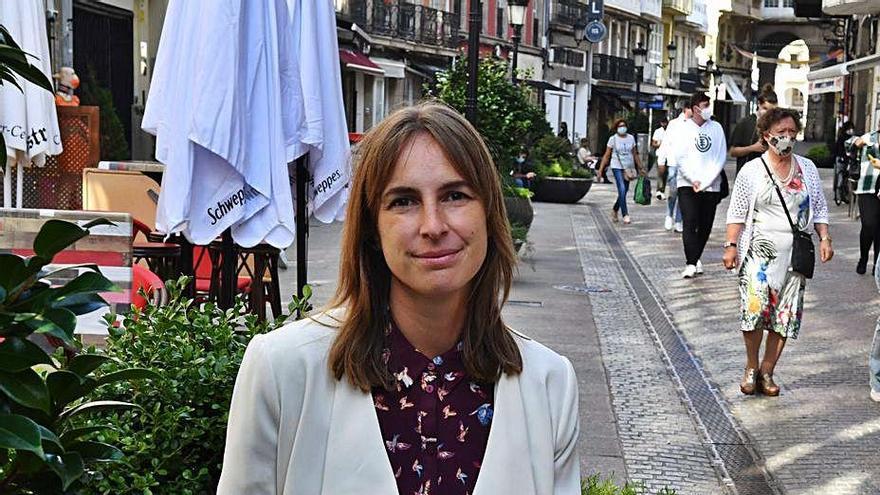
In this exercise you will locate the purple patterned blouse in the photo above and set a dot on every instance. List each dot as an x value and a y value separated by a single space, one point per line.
436 423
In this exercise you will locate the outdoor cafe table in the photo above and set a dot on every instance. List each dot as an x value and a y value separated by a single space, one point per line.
153 170
108 246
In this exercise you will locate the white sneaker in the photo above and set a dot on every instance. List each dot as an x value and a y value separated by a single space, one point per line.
668 223
699 267
679 227
627 220
690 271
659 195
875 395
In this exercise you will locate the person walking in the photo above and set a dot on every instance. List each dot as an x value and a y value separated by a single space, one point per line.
626 165
745 143
395 388
841 163
672 134
760 240
656 142
867 148
699 154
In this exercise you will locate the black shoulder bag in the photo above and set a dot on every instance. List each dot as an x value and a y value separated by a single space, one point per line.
803 251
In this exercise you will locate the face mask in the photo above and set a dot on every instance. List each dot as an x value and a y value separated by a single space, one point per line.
760 113
706 113
782 145
850 132
621 130
520 159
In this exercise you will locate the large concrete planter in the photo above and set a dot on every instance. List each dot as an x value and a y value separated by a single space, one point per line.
561 189
519 211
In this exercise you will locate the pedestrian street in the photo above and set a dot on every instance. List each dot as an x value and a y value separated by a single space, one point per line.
575 294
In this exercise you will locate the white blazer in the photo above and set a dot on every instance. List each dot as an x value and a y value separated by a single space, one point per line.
296 430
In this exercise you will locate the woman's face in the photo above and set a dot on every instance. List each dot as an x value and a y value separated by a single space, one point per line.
781 136
431 224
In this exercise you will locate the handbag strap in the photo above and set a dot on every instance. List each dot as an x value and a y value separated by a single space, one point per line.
794 228
619 161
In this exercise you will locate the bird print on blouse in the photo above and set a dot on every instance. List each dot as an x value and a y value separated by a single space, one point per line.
435 421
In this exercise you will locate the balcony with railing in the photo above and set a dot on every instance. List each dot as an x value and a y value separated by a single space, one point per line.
569 12
684 7
611 68
568 57
403 21
698 18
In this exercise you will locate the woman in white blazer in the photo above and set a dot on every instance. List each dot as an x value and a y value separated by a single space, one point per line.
410 382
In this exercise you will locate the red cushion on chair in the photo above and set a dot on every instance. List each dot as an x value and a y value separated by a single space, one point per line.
142 278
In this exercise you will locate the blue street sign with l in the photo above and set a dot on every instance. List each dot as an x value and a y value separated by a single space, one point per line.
595 31
596 10
656 105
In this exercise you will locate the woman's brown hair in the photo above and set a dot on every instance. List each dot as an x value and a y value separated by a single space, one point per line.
365 279
775 115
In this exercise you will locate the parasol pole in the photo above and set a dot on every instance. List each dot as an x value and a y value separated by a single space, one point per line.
302 225
227 270
7 186
19 182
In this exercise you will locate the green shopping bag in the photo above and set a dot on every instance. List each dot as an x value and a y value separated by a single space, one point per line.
643 191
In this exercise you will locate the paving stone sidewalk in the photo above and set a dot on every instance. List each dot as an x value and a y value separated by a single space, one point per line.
821 436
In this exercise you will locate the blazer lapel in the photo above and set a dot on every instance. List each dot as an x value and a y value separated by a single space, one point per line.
356 459
507 467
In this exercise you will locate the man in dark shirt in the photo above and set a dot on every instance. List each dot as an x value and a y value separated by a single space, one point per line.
745 144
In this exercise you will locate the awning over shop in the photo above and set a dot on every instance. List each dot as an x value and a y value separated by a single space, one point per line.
829 85
545 86
425 70
733 92
845 68
623 94
358 61
672 92
393 68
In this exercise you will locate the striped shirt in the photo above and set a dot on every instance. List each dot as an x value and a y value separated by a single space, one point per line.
867 183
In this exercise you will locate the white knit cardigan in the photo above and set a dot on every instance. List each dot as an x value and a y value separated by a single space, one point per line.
745 195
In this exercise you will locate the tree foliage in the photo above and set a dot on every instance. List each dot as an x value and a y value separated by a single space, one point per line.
507 118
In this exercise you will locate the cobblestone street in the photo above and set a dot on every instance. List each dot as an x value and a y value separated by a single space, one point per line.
821 434
659 358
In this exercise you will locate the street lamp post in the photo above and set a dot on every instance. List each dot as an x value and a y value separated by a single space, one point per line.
671 52
475 25
639 53
516 10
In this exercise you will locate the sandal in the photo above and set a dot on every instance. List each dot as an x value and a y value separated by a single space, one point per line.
748 385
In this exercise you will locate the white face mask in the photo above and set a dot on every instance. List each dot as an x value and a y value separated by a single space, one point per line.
706 113
782 145
760 113
621 130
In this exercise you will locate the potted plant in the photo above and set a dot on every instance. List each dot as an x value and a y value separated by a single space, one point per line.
558 180
518 203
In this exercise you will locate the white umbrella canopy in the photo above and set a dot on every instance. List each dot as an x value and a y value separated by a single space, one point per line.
28 119
247 108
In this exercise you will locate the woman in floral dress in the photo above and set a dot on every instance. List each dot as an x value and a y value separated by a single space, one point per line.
759 238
